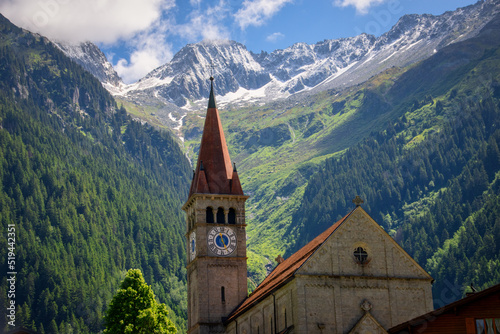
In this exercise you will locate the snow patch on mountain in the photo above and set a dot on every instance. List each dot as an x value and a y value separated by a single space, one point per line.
242 77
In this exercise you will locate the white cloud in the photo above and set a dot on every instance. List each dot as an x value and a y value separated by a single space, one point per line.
274 37
147 28
143 26
151 48
256 12
141 63
80 20
361 6
150 51
206 24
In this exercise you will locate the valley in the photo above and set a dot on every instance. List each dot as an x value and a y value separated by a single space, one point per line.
288 112
94 172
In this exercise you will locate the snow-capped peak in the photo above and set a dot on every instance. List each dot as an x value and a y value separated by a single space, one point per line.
245 76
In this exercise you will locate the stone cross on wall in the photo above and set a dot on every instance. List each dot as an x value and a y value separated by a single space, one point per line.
366 306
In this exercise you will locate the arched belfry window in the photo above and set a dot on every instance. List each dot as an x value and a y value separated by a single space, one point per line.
210 215
231 217
221 219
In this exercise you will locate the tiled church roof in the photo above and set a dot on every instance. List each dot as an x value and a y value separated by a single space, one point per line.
285 271
214 173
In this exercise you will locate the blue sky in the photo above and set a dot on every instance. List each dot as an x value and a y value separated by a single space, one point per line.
140 35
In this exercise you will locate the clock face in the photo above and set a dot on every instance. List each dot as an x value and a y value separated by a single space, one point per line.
192 246
221 240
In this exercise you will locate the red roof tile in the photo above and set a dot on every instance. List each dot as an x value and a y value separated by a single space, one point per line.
285 270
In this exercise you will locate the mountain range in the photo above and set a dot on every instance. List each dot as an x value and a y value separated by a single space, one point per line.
244 77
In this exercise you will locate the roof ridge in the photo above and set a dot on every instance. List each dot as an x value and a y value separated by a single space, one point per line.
285 270
340 222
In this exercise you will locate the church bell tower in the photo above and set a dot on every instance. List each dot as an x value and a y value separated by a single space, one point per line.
215 218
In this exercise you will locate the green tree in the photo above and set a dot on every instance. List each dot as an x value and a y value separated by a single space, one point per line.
134 309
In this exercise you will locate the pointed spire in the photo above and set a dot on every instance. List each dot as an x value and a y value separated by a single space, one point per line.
235 183
211 100
202 185
214 173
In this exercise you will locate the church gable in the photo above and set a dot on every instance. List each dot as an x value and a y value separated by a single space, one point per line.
360 247
367 324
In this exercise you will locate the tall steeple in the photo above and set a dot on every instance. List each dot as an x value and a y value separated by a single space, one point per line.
216 238
214 173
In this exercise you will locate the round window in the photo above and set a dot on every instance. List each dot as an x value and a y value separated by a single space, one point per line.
360 255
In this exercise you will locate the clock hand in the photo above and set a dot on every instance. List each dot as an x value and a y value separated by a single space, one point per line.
222 239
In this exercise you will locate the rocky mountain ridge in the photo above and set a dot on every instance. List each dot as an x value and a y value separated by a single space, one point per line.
244 77
91 58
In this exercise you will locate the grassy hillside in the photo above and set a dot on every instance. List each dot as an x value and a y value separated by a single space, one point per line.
279 146
90 192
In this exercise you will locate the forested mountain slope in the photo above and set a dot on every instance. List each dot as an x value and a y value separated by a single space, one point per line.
279 144
91 192
432 177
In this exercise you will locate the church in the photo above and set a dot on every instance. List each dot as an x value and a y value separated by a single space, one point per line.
352 278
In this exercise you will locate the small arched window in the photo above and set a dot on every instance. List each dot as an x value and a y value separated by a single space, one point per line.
222 294
231 217
210 215
221 219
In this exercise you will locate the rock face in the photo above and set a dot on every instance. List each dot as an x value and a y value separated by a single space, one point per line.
244 77
93 60
309 65
185 76
414 38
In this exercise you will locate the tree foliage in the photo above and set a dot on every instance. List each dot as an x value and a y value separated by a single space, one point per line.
91 192
433 185
135 310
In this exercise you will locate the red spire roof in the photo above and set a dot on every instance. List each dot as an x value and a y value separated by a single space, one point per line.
214 173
